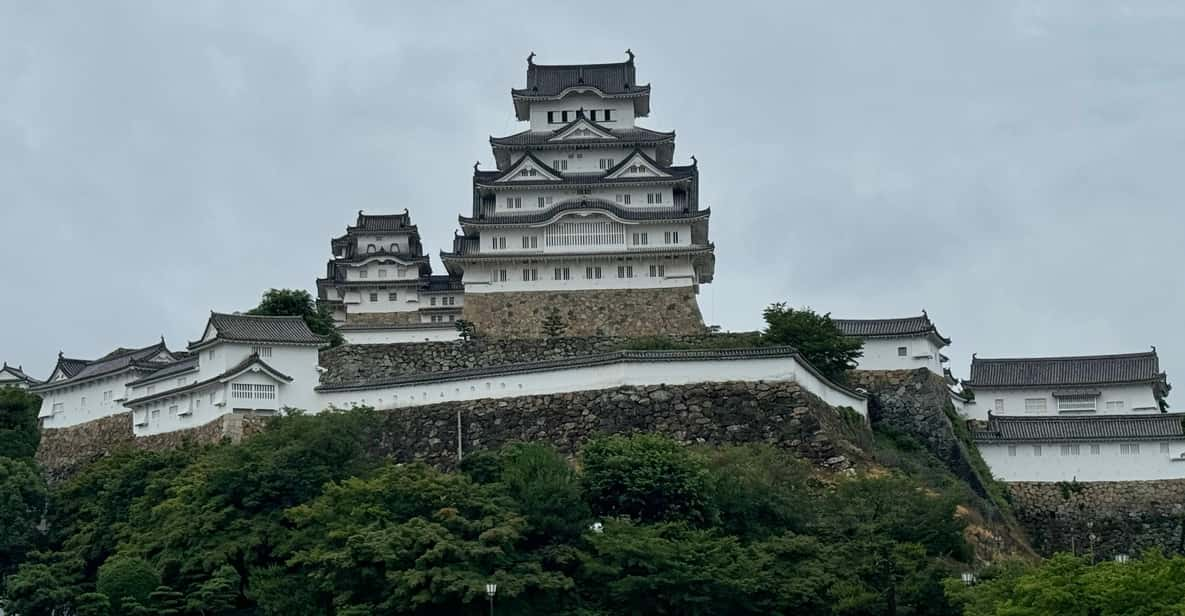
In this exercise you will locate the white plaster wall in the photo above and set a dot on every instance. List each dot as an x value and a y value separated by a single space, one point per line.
598 377
655 237
391 336
74 411
623 110
382 242
881 354
480 277
359 301
194 409
1136 399
394 271
1108 465
530 196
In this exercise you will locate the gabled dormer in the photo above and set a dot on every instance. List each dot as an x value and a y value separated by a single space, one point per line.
637 165
530 169
582 128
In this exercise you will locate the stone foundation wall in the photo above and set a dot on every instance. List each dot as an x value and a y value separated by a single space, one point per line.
64 451
781 414
609 312
1125 517
383 318
366 362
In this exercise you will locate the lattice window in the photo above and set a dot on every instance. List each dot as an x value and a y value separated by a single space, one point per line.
1076 403
251 391
599 233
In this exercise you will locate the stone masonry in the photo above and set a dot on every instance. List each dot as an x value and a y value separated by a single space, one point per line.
1124 517
367 362
63 451
610 312
383 318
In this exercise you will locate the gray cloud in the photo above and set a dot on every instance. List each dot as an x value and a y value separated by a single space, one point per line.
1013 167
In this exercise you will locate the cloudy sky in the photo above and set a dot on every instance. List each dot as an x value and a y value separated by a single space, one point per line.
1015 168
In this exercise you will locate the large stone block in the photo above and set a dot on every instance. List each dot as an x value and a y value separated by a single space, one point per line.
610 312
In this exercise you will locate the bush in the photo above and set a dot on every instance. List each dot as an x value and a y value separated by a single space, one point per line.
815 336
122 578
646 477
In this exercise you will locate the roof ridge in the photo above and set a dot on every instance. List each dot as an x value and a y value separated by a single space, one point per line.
1104 416
257 316
920 316
1065 357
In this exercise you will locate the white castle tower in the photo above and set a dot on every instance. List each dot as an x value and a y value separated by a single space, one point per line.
585 213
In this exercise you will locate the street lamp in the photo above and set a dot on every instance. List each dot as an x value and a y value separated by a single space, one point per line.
491 590
968 578
1122 558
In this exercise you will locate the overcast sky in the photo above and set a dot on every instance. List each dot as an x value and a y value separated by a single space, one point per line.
1015 168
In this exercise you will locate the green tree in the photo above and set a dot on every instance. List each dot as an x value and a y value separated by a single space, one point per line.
299 303
22 501
554 325
815 336
125 577
760 490
648 477
166 602
466 329
19 432
41 589
547 491
418 541
92 604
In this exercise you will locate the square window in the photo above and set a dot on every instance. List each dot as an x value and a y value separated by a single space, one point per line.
1036 451
1095 449
1012 451
1072 404
1034 405
999 405
1115 405
902 351
374 297
392 296
1164 448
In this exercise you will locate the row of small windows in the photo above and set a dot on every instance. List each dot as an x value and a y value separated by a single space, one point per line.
585 235
516 203
654 198
374 248
251 391
441 318
1068 404
592 272
393 296
1074 449
596 115
382 273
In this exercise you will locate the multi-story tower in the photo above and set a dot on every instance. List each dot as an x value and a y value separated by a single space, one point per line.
585 213
380 284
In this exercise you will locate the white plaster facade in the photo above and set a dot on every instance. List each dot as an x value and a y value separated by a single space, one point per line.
79 391
432 332
905 343
1123 399
1086 461
14 376
524 381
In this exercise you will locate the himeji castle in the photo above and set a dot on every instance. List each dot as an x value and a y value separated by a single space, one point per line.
585 213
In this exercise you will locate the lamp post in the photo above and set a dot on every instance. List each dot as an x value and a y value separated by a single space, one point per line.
968 578
491 590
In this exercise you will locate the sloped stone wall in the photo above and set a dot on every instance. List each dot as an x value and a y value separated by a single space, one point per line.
383 318
64 451
609 312
1124 517
365 362
779 413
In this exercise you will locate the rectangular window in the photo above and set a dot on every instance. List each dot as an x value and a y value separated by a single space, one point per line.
999 405
250 391
592 272
564 115
1076 404
374 297
551 117
623 198
530 275
1129 449
1114 405
562 273
608 115
262 351
58 407
1095 450
155 415
501 275
432 302
107 396
1069 450
540 201
902 351
82 402
392 296
559 164
173 410
1164 448
382 273
363 273
1036 451
658 271
654 198
606 163
530 241
1012 451
670 237
1034 405
592 115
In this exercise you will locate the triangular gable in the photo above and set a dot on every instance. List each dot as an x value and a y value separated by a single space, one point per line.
530 169
582 128
253 364
637 165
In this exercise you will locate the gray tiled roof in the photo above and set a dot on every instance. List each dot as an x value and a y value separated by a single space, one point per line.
441 284
17 372
255 328
384 222
1065 371
636 134
632 214
1012 429
190 362
121 359
888 328
675 172
551 79
249 361
70 366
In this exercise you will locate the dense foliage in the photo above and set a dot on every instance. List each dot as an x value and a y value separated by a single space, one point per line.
22 489
815 335
1153 585
299 303
303 519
